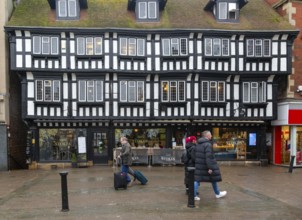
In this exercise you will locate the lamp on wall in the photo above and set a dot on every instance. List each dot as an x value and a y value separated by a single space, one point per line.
299 90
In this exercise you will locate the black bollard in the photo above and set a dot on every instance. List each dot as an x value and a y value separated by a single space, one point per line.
65 206
292 158
191 201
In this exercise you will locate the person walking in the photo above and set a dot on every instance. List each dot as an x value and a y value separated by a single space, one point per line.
126 157
189 158
206 167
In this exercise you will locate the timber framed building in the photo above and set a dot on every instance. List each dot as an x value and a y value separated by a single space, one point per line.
153 70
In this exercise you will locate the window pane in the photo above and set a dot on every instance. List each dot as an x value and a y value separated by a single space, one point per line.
222 10
142 10
98 45
39 90
216 47
205 91
246 92
213 91
62 8
250 48
54 45
166 47
140 47
56 90
266 47
72 8
152 10
175 46
99 90
90 91
123 46
131 91
221 91
173 91
225 47
181 91
208 47
81 46
45 45
254 92
165 91
258 48
183 46
82 90
140 91
132 47
47 90
89 46
37 45
123 91
232 10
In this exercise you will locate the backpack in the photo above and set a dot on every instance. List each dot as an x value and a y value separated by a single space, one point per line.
185 157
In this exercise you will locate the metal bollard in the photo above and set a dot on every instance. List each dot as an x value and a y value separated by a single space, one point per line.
191 201
65 206
290 170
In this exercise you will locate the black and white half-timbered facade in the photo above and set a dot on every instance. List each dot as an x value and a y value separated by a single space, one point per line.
153 70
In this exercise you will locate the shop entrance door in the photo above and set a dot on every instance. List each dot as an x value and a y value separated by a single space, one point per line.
100 147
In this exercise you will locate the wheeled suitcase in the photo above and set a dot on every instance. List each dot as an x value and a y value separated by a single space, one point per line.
140 177
120 180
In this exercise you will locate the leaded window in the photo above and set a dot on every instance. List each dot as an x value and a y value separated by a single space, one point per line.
258 47
132 46
147 10
216 46
90 90
89 45
48 90
46 45
254 92
132 91
174 47
227 11
213 91
67 9
173 91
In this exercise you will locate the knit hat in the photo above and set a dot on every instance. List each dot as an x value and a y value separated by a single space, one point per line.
190 139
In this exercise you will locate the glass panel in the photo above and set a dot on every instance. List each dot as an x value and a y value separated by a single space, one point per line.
98 45
90 91
89 46
173 91
174 46
123 91
54 45
181 91
266 47
166 47
62 8
99 90
81 46
39 90
37 45
142 10
132 47
208 47
258 48
152 10
232 10
45 45
82 90
254 92
123 46
216 47
225 47
140 91
250 48
72 8
140 47
246 92
205 91
183 46
213 91
47 90
222 10
131 91
56 90
221 91
165 91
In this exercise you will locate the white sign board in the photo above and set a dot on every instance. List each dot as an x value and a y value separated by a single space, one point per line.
82 145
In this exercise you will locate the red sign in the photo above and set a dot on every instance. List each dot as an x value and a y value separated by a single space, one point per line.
295 116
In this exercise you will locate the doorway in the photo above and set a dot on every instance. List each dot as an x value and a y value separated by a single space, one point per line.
100 146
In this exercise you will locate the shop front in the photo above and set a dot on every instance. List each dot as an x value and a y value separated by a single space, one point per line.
287 134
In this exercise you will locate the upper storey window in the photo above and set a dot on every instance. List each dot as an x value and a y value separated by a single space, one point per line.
216 47
48 90
258 48
225 10
46 45
67 9
132 46
89 45
174 47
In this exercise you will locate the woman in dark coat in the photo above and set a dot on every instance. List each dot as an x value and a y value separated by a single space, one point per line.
189 158
206 167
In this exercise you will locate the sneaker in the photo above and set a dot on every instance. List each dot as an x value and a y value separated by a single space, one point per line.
130 183
196 198
221 194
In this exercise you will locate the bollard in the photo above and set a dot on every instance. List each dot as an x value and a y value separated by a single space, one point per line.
65 207
191 201
292 158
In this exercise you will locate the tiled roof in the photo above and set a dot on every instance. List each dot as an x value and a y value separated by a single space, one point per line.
178 14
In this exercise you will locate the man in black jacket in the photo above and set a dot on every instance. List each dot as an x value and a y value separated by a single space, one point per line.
206 167
189 158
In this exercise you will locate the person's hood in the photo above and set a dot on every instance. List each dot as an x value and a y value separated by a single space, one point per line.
189 145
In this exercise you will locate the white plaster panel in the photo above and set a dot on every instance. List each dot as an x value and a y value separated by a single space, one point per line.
45 111
254 66
134 112
107 90
43 64
19 45
115 91
199 62
27 45
215 112
28 61
135 66
100 64
261 113
196 107
233 64
221 112
247 66
199 47
52 111
228 107
202 111
256 112
36 63
74 91
148 91
177 65
165 66
226 65
191 46
39 110
219 67
241 64
115 110
233 48
241 48
64 62
56 62
19 61
188 90
93 111
72 62
141 112
175 111
149 48
275 48
106 46
100 109
65 90
283 48
72 46
213 65
157 48
206 65
236 92
156 95
266 67
114 45
129 66
196 93
81 112
283 66
156 110
115 62
107 108
260 66
171 65
169 111
93 64
228 91
157 64
86 65
249 112
107 59
142 65
58 111
65 106
80 64
74 109
49 64
209 112
274 64
184 65
30 89
148 109
128 112
30 108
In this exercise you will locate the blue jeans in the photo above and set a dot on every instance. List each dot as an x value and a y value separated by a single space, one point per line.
125 169
214 185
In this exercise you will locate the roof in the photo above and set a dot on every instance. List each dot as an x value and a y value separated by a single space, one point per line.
178 14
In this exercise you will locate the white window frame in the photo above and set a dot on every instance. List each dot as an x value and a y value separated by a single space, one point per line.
225 9
96 87
132 91
48 90
132 46
216 47
258 48
145 10
211 90
174 46
254 92
69 9
166 89
45 45
89 46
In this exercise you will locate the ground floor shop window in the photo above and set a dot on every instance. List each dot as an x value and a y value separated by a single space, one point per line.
142 137
59 144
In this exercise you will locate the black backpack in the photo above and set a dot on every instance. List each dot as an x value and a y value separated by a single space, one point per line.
185 157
